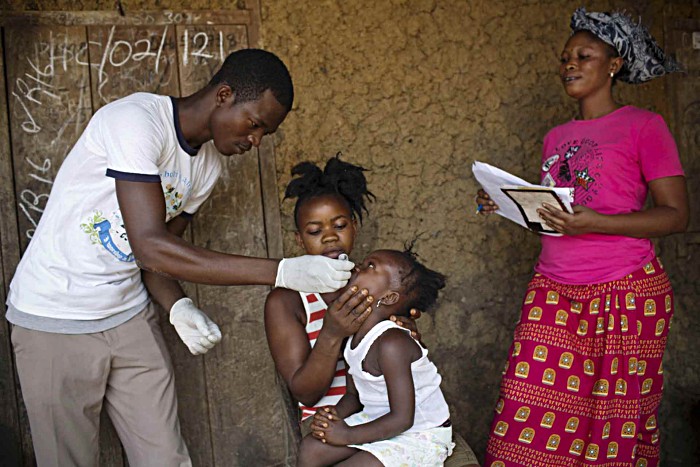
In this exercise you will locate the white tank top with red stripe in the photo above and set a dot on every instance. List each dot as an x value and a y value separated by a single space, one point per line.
315 309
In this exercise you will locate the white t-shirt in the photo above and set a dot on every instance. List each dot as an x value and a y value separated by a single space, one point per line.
79 264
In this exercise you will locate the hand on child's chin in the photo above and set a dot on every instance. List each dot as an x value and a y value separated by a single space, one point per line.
347 313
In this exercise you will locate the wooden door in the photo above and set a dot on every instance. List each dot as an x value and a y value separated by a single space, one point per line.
61 67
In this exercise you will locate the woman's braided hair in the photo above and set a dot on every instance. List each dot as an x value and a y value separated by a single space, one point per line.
338 178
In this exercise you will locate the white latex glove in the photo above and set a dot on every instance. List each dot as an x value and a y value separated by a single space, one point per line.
196 330
313 273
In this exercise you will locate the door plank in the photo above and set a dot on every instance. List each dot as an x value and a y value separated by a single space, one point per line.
49 94
242 415
132 18
203 49
245 406
50 105
10 443
127 59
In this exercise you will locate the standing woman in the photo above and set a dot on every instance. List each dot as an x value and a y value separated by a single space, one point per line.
583 381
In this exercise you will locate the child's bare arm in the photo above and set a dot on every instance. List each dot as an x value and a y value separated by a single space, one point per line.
396 353
350 402
308 373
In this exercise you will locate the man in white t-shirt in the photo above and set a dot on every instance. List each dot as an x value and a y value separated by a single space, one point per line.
84 330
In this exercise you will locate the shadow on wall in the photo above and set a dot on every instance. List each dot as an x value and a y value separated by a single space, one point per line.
366 240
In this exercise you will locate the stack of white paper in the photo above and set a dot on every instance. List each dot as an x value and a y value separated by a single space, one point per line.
492 179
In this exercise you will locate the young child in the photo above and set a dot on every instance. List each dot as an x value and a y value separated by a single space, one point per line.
393 412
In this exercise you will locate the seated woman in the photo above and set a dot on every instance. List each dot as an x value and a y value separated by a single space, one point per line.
305 334
393 412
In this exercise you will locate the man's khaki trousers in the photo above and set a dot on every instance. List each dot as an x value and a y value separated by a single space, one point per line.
66 379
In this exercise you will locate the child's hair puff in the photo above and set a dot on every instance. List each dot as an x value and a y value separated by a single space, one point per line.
420 283
338 177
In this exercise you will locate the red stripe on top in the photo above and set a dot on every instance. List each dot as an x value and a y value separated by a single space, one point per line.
316 315
339 391
313 335
334 393
311 298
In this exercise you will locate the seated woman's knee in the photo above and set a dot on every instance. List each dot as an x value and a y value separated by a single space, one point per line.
309 452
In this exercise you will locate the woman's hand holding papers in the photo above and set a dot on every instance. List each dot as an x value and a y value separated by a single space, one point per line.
582 221
484 203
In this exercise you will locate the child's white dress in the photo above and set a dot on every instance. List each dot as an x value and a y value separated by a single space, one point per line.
427 442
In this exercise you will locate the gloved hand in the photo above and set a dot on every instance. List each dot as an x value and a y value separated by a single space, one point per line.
196 330
313 273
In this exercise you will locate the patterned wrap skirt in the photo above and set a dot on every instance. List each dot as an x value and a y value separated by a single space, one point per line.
584 378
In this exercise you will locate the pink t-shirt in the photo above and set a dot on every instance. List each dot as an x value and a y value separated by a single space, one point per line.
609 161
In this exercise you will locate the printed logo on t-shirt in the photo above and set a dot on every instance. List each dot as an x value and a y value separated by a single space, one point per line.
578 164
109 234
173 198
176 189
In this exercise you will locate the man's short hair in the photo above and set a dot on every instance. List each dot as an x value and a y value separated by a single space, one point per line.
251 72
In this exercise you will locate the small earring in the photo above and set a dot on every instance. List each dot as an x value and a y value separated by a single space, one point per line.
379 302
612 74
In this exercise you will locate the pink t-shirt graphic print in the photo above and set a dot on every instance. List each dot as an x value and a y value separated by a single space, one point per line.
578 163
